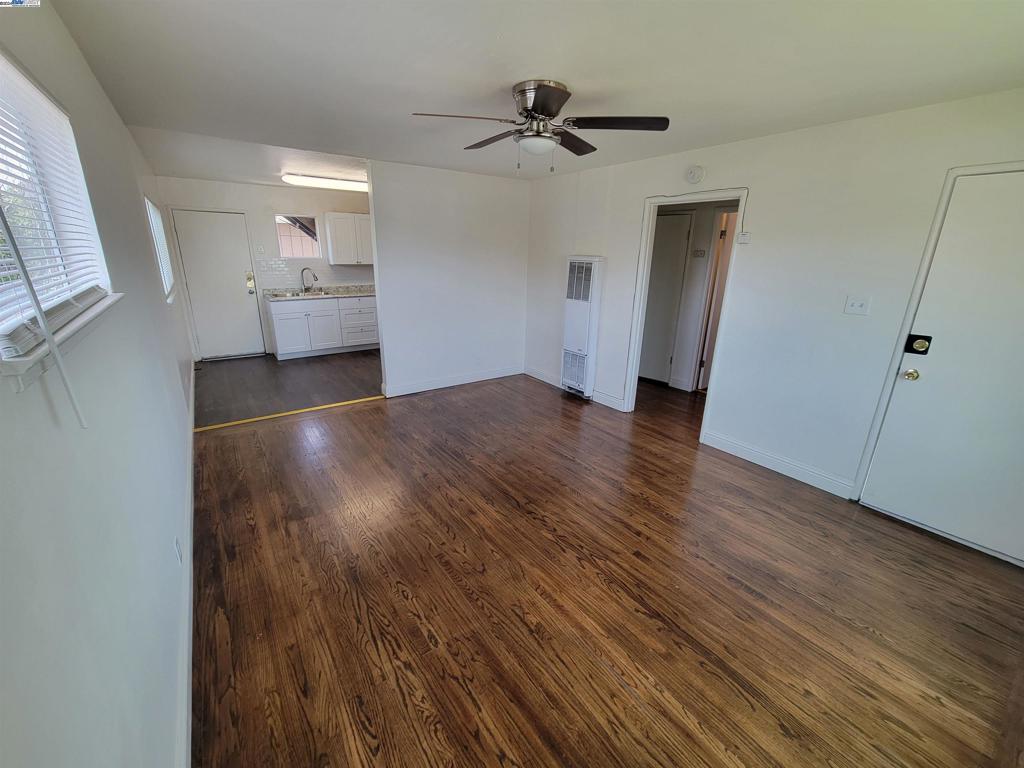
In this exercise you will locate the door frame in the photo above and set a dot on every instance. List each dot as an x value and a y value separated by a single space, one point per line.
705 315
643 275
188 296
914 301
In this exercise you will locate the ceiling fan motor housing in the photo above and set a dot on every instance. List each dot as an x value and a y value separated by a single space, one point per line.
540 98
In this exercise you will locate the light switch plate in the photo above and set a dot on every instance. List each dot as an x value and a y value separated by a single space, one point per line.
858 305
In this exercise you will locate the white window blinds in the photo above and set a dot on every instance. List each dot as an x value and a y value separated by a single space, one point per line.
163 253
44 198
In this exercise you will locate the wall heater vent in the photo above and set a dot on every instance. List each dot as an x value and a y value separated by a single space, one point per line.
582 305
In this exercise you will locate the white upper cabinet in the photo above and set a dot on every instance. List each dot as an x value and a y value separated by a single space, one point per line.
348 238
364 245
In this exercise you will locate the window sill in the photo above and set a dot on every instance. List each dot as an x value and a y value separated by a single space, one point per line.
26 368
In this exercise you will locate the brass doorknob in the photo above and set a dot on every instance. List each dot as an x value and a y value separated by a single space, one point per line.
911 374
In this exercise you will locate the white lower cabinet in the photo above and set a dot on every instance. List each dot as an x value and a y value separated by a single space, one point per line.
319 325
291 331
324 329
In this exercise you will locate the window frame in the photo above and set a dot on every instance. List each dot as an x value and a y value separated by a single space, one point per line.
32 118
157 233
321 255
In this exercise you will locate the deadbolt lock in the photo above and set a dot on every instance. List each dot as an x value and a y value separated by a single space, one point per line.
911 374
920 345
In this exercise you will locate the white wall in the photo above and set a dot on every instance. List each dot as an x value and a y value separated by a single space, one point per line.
834 210
93 601
451 254
260 203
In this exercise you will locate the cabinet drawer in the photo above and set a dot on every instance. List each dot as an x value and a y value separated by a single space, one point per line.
301 306
357 302
363 316
359 334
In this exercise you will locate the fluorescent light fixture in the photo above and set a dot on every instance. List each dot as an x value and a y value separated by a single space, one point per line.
349 185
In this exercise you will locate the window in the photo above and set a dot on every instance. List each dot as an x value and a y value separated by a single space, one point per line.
46 204
297 237
163 253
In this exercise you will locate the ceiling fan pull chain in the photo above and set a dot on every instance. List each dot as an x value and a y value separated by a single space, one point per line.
552 168
519 158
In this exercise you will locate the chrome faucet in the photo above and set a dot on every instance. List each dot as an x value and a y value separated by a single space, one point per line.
302 279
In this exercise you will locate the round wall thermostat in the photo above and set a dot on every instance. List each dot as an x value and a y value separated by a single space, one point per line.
695 174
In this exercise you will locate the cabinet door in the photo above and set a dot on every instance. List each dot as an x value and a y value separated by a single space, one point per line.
324 329
291 333
342 244
364 242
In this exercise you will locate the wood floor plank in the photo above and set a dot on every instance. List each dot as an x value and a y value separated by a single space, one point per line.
497 574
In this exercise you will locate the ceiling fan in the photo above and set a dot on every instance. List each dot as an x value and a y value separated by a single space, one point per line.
538 103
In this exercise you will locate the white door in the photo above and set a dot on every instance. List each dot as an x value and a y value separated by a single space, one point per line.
324 329
364 245
291 333
665 287
949 455
214 251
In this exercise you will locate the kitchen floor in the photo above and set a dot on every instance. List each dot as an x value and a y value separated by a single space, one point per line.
245 387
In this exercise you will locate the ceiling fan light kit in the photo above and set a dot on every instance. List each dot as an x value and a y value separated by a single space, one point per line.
538 103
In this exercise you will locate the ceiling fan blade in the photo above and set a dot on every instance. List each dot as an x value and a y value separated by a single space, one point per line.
465 117
574 143
491 140
549 101
618 123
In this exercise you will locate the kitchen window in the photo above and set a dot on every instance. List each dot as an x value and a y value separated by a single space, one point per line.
297 237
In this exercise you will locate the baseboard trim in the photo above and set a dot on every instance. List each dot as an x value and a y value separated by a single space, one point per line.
425 385
554 379
611 401
806 474
680 384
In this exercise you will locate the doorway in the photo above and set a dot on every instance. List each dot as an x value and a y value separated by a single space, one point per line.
219 279
947 454
688 249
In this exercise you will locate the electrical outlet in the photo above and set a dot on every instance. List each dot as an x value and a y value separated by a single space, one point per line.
177 549
857 305
260 250
699 253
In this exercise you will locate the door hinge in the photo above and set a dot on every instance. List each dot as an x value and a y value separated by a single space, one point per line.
721 234
701 364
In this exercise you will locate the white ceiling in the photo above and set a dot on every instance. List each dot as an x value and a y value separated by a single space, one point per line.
342 76
191 156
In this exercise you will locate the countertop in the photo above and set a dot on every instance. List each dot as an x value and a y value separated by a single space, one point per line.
327 292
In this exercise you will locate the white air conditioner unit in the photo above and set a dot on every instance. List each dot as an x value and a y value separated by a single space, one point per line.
582 308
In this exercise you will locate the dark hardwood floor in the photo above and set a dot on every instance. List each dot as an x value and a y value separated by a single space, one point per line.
243 387
499 575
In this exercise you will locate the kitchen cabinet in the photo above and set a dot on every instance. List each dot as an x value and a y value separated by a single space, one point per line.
324 329
349 239
291 332
322 324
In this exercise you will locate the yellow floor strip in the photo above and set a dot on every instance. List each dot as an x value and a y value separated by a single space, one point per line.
287 413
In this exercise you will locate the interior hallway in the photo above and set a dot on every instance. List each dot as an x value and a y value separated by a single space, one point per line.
427 580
